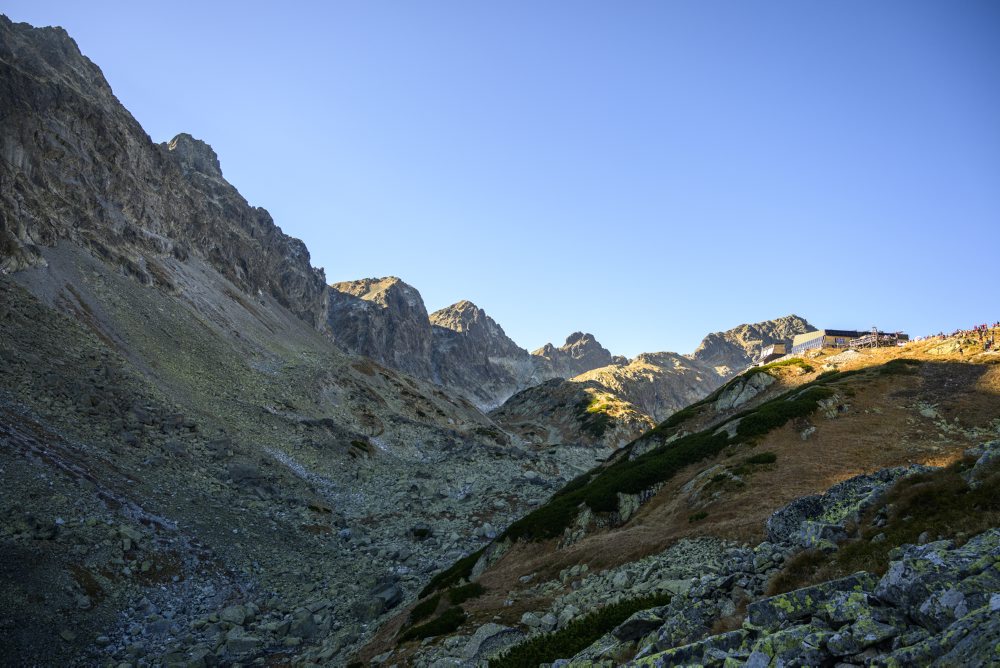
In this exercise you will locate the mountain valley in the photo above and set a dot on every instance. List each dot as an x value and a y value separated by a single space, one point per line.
209 456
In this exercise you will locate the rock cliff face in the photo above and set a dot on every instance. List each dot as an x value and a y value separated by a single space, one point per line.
579 354
75 165
733 350
473 353
384 319
658 384
459 346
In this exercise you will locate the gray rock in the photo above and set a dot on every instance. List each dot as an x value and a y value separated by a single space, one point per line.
243 644
640 624
390 595
860 635
234 614
488 640
303 625
741 392
531 620
843 502
776 611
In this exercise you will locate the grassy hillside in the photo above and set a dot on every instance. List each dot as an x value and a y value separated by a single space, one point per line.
711 472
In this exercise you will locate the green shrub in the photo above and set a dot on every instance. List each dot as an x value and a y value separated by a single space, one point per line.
465 592
449 621
795 361
593 418
424 609
762 458
576 636
599 488
775 413
574 484
658 465
697 517
458 571
677 418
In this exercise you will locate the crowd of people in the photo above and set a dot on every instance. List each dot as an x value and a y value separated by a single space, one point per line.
985 333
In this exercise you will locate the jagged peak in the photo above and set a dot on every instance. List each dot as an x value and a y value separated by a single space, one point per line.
376 289
574 342
195 155
461 315
461 306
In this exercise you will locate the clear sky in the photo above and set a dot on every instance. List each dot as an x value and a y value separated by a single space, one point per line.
646 171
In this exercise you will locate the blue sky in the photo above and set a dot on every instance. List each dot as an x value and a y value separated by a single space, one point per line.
646 171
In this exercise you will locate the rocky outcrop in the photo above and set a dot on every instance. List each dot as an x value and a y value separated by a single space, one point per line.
474 354
735 349
937 604
573 412
743 391
459 347
657 384
579 354
75 165
384 319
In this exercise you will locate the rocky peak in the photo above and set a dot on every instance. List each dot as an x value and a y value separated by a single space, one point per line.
736 348
76 166
460 316
195 155
384 319
382 291
468 319
579 354
50 52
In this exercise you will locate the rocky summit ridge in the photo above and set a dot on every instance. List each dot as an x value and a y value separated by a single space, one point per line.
733 350
580 353
129 200
460 346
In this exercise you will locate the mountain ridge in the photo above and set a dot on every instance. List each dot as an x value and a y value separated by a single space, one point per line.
113 159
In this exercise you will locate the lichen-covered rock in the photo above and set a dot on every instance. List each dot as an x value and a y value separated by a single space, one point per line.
843 502
846 606
860 635
818 535
988 457
777 611
973 640
800 645
927 580
687 620
708 652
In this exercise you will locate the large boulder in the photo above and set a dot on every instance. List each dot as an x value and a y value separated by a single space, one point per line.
742 391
